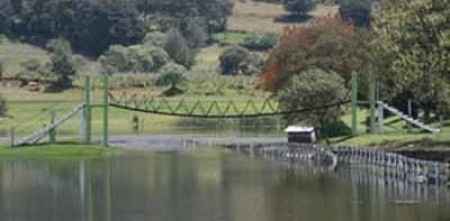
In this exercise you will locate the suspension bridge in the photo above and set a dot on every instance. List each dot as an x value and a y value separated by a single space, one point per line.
206 108
194 108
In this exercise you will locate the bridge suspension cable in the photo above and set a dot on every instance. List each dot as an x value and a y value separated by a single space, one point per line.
218 109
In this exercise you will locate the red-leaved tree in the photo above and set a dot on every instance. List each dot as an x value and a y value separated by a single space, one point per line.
328 43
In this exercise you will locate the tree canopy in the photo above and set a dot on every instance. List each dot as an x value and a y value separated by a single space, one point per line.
93 25
328 43
413 40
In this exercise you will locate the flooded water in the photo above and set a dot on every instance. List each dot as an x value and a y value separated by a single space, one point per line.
205 185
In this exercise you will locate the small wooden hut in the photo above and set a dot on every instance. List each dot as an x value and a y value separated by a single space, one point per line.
298 134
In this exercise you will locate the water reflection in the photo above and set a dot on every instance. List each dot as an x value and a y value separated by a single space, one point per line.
205 185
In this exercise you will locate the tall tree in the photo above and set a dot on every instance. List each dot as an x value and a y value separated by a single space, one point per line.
62 66
413 37
328 43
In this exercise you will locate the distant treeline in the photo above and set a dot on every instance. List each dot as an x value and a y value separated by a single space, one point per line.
92 26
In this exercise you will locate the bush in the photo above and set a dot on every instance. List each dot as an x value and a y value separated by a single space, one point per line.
314 88
238 60
195 33
356 11
160 57
137 58
155 39
140 59
298 7
178 49
34 70
171 75
62 66
260 42
3 107
115 59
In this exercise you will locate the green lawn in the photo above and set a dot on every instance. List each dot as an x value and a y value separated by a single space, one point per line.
66 150
395 134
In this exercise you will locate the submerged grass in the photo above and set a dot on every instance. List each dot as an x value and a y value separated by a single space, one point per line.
64 150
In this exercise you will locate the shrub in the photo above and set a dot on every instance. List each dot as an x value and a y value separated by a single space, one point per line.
62 66
115 59
160 57
178 49
238 60
3 107
260 42
171 75
298 7
156 39
195 33
34 70
231 59
314 88
356 11
140 59
136 58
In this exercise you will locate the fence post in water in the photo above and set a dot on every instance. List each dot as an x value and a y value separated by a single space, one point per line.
86 126
12 136
105 111
409 113
354 103
372 101
52 132
380 118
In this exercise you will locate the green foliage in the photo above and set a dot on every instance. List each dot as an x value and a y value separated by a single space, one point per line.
3 107
62 66
164 13
115 59
178 49
356 11
414 47
58 73
34 70
260 41
155 39
299 7
314 88
238 60
172 75
136 58
139 59
92 26
159 56
195 34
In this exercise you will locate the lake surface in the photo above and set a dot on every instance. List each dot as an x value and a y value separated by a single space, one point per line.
207 184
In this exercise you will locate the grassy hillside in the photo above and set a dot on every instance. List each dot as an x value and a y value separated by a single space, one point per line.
14 53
